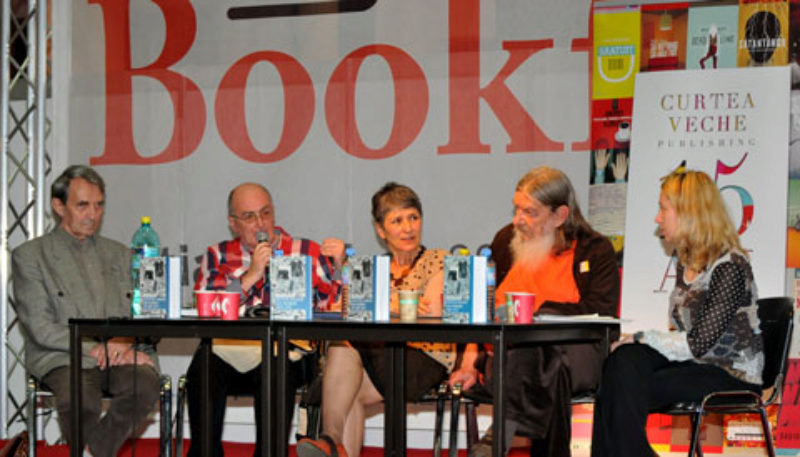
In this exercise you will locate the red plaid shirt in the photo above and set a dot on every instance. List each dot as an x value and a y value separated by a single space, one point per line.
226 262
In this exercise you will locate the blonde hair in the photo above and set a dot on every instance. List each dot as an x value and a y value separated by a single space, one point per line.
705 230
552 189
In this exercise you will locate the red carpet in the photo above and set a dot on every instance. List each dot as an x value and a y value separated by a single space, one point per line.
149 448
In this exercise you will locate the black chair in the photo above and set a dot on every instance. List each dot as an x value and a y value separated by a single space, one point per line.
478 395
40 403
777 319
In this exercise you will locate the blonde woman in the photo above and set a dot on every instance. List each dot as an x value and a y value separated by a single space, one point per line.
715 344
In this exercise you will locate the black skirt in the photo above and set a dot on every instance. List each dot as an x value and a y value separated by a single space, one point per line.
423 373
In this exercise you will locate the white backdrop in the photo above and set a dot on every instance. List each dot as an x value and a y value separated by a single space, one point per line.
735 117
319 188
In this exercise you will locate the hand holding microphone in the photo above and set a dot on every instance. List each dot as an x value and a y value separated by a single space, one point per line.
259 260
262 251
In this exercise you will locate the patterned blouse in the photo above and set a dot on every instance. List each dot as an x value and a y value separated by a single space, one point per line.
716 320
429 264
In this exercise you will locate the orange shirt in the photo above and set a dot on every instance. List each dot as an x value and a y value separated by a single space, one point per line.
551 280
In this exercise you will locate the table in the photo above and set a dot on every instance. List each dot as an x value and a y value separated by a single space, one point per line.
396 334
205 329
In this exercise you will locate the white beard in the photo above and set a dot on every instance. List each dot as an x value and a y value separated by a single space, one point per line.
531 253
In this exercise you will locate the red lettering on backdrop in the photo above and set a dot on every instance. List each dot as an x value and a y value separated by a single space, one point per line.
189 111
298 106
410 102
465 90
584 45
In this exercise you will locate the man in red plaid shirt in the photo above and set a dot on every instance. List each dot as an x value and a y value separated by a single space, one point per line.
242 264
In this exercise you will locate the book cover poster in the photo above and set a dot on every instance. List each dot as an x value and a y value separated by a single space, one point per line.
731 123
711 37
611 136
616 52
763 33
794 31
663 38
787 434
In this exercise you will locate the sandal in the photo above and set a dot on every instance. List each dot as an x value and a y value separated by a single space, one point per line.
322 447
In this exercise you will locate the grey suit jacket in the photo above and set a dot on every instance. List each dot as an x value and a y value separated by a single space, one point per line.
49 290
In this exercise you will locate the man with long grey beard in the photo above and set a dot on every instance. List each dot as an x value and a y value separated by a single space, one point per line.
551 251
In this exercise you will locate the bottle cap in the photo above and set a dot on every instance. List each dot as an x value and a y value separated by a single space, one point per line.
463 251
350 252
145 219
277 253
486 252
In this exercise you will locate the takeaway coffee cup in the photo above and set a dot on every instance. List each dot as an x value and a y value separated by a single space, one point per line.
228 305
215 303
509 307
523 307
409 302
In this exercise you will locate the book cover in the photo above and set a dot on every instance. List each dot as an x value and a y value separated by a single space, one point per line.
291 297
712 36
464 289
763 33
615 52
160 282
794 31
664 37
369 288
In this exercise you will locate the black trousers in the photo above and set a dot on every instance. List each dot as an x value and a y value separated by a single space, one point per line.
638 380
225 381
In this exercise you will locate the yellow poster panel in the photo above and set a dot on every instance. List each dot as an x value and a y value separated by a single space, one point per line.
763 33
617 38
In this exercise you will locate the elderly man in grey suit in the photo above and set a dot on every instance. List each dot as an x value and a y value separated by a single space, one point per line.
74 272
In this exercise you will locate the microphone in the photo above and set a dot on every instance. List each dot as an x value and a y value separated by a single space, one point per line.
262 237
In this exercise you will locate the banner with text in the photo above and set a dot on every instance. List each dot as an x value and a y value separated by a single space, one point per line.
734 125
177 101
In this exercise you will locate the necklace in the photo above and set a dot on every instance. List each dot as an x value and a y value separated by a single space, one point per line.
397 281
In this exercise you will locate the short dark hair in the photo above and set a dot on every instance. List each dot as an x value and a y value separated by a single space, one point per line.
391 196
60 187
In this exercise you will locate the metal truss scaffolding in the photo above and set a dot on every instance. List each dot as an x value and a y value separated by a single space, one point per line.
24 166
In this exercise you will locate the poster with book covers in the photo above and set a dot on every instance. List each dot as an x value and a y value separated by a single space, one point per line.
611 129
664 37
616 46
763 33
711 37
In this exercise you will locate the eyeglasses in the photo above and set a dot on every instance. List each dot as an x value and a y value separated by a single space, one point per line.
251 217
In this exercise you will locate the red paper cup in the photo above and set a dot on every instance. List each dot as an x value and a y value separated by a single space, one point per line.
217 303
204 300
524 303
227 304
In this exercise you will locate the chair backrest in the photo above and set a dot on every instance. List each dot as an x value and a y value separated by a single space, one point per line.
777 319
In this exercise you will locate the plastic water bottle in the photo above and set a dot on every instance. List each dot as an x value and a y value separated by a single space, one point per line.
347 276
145 243
491 282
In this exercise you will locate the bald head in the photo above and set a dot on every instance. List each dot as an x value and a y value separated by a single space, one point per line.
241 191
250 210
